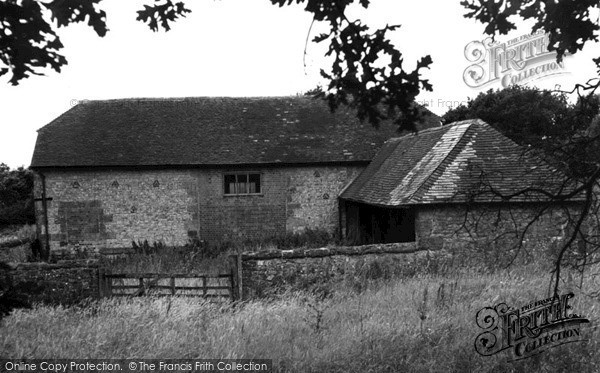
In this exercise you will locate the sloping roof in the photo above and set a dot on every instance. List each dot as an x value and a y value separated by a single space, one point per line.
208 131
460 162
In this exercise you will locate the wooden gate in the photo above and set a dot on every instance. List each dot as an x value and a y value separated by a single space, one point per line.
219 287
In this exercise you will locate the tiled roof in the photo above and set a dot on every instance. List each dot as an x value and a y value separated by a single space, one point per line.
463 161
208 131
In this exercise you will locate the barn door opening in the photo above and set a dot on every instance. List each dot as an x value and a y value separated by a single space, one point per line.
367 224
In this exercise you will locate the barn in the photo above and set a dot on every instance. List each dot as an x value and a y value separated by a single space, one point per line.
215 169
462 183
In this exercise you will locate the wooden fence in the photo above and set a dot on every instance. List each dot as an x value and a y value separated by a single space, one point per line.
219 287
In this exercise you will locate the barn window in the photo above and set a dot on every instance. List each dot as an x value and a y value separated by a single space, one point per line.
242 183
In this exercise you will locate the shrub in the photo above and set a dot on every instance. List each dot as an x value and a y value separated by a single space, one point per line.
194 257
308 238
16 196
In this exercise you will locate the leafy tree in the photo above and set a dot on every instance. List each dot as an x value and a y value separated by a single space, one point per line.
541 119
526 115
16 196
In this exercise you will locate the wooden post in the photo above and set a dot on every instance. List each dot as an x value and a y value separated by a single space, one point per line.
108 283
173 285
204 286
141 291
233 276
104 283
341 206
239 276
101 285
46 250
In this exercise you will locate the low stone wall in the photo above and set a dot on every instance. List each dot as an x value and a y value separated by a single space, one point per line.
64 282
268 272
258 273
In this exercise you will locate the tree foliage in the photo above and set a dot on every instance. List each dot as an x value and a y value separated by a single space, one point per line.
16 196
28 39
526 115
541 119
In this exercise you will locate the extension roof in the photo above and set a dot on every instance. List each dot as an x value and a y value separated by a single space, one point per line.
209 131
467 161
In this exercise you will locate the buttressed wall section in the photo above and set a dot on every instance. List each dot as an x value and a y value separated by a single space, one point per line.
110 208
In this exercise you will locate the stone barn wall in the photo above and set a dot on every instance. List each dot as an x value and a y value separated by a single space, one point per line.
110 208
492 228
459 226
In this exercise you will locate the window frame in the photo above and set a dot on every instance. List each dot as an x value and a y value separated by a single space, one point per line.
247 174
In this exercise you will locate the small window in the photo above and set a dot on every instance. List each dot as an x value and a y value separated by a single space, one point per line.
241 183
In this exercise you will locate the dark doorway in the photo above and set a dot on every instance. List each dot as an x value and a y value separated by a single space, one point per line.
367 224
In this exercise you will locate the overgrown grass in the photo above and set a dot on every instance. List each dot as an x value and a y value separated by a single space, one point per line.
209 258
15 243
159 258
421 324
17 232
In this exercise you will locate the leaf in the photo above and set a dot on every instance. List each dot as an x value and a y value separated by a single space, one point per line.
321 37
424 62
162 14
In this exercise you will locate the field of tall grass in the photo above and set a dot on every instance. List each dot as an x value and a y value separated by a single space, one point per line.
420 324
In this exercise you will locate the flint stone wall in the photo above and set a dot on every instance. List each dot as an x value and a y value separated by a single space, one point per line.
271 271
90 210
65 282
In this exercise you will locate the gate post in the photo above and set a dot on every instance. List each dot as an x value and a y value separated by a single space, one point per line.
101 285
104 283
236 275
240 275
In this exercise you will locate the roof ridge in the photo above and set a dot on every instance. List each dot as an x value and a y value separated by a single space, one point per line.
457 124
453 153
442 127
180 98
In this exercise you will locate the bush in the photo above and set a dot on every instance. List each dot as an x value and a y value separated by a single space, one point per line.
194 257
309 238
16 196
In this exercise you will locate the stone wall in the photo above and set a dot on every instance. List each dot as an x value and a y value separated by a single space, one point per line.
64 282
110 208
272 271
496 229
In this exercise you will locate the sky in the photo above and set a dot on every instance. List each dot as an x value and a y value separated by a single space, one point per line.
242 48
